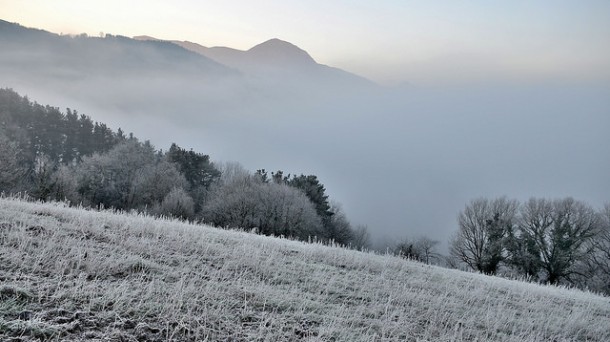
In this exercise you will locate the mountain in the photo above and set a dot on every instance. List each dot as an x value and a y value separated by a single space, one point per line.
114 75
147 74
81 275
275 59
30 51
279 53
33 56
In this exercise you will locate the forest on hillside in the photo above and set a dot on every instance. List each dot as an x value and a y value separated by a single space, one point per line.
51 155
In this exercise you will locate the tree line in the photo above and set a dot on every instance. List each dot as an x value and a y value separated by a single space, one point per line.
52 155
561 241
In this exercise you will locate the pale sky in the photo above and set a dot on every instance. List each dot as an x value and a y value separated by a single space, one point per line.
390 41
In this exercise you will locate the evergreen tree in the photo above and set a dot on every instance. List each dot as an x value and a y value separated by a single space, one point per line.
72 127
315 191
10 171
84 136
199 172
196 167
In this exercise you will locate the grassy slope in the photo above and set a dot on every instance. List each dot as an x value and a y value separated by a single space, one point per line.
78 275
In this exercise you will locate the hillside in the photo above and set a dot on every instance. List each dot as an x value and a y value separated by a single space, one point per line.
81 274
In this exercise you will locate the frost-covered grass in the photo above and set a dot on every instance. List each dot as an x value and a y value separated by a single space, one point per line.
70 274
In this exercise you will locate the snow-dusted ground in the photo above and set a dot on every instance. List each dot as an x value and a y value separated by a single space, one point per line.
70 274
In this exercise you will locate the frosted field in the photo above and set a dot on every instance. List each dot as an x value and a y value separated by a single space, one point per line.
69 274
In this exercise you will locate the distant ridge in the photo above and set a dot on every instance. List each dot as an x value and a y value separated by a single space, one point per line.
33 52
273 58
118 69
271 51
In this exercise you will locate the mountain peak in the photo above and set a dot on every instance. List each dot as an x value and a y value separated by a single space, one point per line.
281 52
275 43
146 38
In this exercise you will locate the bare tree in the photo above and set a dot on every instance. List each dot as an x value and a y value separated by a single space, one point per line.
284 210
421 249
361 238
483 225
560 230
598 261
232 201
523 254
66 184
42 177
407 249
131 175
602 244
452 262
427 249
177 203
230 171
155 182
338 228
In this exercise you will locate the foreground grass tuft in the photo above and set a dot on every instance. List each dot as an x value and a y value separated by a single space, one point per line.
75 275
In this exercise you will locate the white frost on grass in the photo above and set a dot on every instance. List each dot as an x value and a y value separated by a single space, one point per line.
91 274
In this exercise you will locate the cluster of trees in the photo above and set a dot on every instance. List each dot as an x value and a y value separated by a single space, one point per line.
553 241
294 206
36 139
55 156
44 130
422 249
244 200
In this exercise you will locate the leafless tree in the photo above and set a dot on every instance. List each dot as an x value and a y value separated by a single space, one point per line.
427 249
339 229
421 249
66 184
597 263
483 225
42 177
602 244
407 249
129 176
561 230
361 238
232 202
177 203
155 182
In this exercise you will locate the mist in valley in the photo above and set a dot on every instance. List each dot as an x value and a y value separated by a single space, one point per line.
401 160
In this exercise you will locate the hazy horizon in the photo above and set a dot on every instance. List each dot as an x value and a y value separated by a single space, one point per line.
393 42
